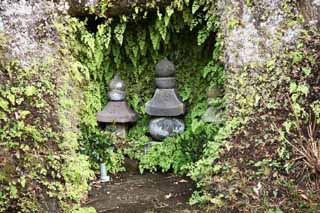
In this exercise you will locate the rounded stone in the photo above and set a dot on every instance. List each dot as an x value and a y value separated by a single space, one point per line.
166 82
117 83
161 128
116 95
165 68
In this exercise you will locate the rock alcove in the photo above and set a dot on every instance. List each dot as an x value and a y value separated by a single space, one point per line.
54 71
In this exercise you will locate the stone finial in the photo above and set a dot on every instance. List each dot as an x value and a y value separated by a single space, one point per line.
117 87
117 109
165 68
117 83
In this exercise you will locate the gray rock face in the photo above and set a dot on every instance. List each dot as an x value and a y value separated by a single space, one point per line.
161 128
256 38
165 102
28 26
310 9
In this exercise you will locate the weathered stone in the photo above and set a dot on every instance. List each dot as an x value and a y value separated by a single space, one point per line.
161 128
165 68
117 87
121 130
117 7
117 112
116 95
117 83
165 102
166 82
28 26
212 115
310 9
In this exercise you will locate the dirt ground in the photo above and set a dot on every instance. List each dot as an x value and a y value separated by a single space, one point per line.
135 193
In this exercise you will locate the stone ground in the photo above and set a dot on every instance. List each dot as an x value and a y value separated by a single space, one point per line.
135 193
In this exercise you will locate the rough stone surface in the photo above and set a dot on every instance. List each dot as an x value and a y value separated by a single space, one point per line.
165 102
117 112
165 68
117 83
32 40
254 38
28 27
116 95
161 128
310 9
119 7
166 82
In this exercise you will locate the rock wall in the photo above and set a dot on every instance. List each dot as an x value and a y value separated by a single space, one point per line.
28 26
261 42
40 170
257 36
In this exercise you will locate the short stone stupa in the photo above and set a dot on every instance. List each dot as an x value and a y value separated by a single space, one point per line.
117 111
165 106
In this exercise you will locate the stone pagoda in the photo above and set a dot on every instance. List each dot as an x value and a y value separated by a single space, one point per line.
165 107
117 111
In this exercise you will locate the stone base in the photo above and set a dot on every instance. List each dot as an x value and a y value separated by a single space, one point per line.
161 128
121 130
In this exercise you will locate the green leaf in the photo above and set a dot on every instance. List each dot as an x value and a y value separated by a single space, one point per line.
30 91
304 89
4 104
23 181
195 6
13 191
119 31
169 12
293 87
306 71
